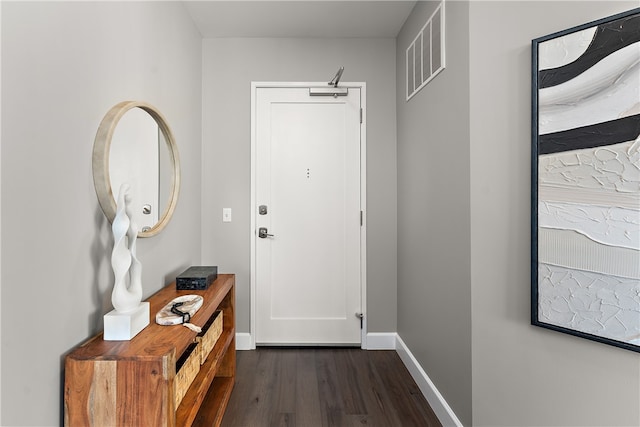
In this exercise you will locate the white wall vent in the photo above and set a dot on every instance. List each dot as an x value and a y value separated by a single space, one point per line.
425 55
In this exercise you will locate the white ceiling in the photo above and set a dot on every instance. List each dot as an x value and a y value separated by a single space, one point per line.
299 18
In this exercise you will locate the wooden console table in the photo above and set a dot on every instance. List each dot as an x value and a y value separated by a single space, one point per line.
133 383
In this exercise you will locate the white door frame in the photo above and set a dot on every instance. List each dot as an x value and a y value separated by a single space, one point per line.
0 207
363 200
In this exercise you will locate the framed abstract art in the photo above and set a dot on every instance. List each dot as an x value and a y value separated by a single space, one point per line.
585 257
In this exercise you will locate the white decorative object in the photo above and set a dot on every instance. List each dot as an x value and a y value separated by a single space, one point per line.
188 304
124 326
130 315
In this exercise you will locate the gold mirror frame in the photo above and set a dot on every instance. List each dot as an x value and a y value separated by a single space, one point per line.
101 148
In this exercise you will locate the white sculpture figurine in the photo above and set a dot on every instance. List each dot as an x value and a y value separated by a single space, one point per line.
123 258
130 315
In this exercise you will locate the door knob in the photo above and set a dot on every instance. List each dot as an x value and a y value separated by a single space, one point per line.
263 233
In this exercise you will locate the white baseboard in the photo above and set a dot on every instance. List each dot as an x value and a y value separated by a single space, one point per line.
375 341
381 341
441 408
243 341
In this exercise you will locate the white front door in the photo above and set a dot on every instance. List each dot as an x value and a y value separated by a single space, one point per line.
308 203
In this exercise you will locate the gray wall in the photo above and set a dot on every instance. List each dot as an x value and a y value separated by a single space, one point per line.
229 66
64 64
434 283
523 375
463 231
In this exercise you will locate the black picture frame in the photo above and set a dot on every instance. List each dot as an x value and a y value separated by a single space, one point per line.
585 221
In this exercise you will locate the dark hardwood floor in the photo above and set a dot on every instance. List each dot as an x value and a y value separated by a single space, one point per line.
312 387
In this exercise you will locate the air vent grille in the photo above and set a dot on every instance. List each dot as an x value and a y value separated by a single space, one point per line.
426 54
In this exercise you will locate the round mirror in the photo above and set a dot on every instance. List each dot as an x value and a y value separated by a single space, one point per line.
134 145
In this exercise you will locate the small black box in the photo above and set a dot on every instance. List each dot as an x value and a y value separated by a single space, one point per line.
196 278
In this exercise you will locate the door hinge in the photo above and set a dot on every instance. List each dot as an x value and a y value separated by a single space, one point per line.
361 218
361 114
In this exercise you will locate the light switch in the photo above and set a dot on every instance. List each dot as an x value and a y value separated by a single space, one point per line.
226 214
